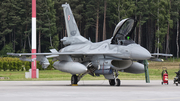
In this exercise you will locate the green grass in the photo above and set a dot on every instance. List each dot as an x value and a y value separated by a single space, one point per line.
154 74
155 70
43 75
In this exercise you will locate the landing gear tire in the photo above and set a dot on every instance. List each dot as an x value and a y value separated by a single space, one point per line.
176 84
118 82
74 79
111 82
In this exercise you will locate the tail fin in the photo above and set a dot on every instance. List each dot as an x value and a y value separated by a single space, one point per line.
74 36
71 26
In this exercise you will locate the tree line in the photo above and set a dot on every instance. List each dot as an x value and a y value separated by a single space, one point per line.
157 29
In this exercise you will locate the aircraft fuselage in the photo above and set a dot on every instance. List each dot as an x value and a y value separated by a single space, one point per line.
131 51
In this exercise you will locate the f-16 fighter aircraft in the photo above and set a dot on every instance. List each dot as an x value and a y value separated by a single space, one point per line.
80 56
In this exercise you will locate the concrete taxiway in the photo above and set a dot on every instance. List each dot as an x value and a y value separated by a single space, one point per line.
130 90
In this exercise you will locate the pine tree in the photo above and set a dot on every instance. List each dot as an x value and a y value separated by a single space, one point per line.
175 16
141 12
104 23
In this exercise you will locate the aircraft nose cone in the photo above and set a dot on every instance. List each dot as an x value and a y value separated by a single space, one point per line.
140 53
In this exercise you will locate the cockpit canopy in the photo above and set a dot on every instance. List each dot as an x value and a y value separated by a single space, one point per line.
123 32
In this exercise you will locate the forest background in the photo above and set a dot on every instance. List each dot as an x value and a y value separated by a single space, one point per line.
157 29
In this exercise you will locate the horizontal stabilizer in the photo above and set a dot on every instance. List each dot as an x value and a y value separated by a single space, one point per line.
53 50
23 58
43 61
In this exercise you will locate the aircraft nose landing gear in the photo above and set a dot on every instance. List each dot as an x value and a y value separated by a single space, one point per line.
111 82
115 81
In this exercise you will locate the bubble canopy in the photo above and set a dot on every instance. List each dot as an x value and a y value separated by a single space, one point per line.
124 28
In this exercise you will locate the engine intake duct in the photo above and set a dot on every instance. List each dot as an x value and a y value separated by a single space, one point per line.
121 64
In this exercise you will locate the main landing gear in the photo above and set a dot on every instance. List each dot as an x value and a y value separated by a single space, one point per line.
74 79
115 81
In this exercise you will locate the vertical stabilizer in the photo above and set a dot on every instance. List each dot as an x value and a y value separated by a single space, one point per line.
73 33
71 26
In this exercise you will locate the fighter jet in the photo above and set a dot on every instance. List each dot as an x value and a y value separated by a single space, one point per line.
80 56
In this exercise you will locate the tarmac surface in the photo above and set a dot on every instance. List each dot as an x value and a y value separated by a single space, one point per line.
130 90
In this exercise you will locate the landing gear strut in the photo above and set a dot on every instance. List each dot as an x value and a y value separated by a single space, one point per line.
74 79
115 81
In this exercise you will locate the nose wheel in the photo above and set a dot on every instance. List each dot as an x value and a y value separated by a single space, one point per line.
111 82
114 82
74 79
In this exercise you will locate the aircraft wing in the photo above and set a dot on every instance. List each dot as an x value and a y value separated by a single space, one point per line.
161 54
153 58
42 57
55 53
59 53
